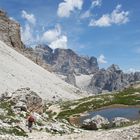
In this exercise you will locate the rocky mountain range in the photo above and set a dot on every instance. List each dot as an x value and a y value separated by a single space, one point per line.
62 61
80 71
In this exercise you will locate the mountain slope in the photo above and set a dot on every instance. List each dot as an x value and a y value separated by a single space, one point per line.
16 71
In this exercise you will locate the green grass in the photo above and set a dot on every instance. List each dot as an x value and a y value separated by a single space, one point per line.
13 130
125 97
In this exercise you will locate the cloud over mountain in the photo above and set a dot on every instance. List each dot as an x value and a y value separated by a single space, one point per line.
55 38
101 59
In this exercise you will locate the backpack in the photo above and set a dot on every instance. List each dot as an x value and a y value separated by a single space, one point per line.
31 119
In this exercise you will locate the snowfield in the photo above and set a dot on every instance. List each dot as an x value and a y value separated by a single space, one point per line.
16 71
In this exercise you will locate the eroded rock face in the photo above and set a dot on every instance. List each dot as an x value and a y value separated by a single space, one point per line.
10 31
67 61
63 61
137 76
111 79
25 99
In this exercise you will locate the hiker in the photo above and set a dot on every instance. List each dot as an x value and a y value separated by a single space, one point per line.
31 120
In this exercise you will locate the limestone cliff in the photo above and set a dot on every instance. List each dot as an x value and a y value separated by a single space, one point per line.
10 31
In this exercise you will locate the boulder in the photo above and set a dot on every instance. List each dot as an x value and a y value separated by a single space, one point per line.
26 99
97 122
120 121
5 96
21 105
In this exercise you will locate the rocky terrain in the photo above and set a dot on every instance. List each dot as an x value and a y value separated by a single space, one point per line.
15 107
26 88
80 71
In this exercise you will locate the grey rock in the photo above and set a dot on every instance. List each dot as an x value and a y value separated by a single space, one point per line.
112 79
71 79
10 31
120 121
95 123
5 96
62 61
26 99
137 76
67 61
21 105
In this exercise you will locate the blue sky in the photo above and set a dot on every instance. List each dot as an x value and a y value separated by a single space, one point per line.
106 29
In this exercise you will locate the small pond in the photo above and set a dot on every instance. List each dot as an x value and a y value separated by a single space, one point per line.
132 113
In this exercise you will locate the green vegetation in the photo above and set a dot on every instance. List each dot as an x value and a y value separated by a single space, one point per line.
13 130
8 116
6 105
50 114
128 96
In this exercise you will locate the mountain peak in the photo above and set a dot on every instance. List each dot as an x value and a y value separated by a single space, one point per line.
44 47
114 68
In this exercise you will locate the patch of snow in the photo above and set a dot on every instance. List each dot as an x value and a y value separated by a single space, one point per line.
82 81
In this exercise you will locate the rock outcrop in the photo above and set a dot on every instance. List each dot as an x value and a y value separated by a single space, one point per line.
10 31
95 123
25 99
120 121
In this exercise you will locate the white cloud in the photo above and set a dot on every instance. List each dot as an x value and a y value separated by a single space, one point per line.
60 42
101 59
51 35
86 14
65 8
29 17
96 3
104 21
55 38
116 17
26 34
